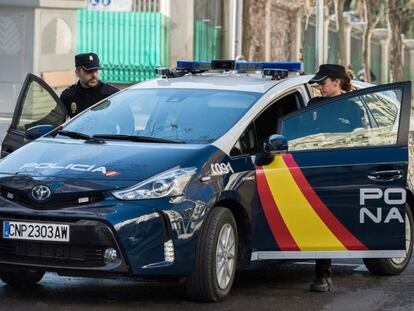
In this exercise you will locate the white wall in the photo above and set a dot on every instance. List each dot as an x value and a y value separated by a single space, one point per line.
35 36
181 14
55 40
16 53
64 4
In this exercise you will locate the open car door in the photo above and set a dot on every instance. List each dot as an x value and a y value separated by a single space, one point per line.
37 104
340 191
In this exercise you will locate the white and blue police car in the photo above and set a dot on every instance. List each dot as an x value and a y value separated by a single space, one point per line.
213 167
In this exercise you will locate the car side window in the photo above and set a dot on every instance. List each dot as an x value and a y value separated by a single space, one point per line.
268 121
39 108
246 144
345 123
383 108
314 92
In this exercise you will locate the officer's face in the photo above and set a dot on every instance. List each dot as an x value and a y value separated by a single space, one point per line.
329 87
88 78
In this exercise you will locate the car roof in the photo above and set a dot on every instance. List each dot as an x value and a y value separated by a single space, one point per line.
230 81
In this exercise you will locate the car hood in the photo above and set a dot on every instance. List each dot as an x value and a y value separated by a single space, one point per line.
109 163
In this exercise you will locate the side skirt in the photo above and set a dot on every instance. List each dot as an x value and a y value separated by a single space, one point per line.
265 255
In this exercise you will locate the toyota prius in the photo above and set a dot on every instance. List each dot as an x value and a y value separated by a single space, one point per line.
210 168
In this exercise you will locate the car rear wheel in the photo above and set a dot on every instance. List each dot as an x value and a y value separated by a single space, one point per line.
394 266
216 257
22 278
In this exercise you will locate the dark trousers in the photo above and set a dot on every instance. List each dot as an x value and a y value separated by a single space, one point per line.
323 268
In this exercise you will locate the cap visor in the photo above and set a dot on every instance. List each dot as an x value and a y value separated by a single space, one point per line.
90 68
317 79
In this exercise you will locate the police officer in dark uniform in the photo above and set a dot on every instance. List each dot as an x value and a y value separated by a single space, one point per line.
89 90
332 80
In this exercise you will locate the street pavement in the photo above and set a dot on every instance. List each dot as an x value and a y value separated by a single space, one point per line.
277 287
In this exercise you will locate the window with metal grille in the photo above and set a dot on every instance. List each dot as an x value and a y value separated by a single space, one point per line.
146 5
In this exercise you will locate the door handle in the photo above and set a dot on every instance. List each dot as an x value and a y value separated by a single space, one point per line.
386 175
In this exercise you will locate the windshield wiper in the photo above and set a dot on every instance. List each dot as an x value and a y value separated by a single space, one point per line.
54 131
76 135
137 138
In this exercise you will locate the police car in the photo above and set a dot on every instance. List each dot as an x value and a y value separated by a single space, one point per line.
213 167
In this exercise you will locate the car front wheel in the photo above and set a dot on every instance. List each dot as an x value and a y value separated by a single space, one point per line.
216 257
394 266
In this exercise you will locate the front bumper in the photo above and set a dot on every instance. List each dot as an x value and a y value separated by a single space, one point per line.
85 251
138 231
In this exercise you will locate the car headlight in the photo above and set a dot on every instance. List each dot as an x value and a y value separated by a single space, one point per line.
166 184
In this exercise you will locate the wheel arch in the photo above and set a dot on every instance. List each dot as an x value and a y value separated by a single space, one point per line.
244 227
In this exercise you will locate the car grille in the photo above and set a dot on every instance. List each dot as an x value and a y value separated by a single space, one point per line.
56 201
52 254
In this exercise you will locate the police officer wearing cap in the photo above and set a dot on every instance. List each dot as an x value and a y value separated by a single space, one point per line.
332 80
89 90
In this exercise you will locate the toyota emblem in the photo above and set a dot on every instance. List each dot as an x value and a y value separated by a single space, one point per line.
41 193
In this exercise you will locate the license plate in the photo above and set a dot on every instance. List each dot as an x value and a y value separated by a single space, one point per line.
17 230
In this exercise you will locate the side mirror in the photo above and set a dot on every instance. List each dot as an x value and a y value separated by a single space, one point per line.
35 132
275 144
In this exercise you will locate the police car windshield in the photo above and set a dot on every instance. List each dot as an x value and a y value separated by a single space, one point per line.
183 115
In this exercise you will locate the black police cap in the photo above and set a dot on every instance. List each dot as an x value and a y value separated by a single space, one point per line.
332 71
88 61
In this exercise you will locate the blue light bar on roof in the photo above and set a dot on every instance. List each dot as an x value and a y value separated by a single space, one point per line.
194 66
290 66
248 66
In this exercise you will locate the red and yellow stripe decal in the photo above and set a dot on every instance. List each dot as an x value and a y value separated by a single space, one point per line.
297 217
